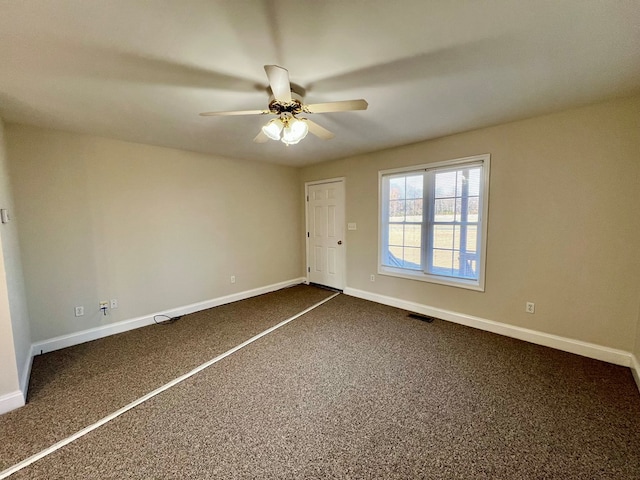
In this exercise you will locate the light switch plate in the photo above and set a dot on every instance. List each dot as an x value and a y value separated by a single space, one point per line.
351 226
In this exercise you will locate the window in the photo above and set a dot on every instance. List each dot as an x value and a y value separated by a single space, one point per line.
433 222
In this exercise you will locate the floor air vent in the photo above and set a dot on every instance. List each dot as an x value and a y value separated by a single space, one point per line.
423 318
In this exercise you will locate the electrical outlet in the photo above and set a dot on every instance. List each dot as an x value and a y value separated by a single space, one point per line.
79 311
530 307
114 303
104 304
233 279
372 278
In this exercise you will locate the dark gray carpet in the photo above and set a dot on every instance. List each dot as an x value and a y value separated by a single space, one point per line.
359 390
77 386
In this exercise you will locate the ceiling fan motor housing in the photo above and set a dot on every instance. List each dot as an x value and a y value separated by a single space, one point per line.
294 107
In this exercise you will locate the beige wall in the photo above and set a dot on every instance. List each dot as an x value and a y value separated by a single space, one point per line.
155 228
635 364
14 274
563 222
636 351
15 343
9 380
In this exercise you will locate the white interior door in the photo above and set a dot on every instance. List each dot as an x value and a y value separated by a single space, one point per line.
325 234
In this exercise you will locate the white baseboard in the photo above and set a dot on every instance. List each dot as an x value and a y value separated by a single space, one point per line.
591 350
26 374
635 369
11 401
17 399
76 338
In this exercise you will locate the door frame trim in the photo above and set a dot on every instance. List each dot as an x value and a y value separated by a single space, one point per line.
343 263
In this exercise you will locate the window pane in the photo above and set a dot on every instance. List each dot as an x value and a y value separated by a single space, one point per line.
445 184
396 188
444 210
460 236
412 235
459 210
443 236
474 181
456 237
396 210
396 234
460 182
414 210
442 261
474 205
412 258
472 238
397 253
456 263
415 184
467 265
404 221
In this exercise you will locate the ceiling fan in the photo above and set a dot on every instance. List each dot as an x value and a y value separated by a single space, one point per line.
287 104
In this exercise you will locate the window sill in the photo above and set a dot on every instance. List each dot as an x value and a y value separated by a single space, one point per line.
420 276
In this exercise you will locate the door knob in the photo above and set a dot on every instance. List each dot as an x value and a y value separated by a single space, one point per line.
339 242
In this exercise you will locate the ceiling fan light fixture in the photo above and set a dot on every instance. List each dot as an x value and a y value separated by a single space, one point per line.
273 129
286 102
294 131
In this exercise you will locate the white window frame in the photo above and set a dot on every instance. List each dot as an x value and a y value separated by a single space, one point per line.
479 284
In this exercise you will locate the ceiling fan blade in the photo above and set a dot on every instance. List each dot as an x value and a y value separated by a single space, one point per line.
236 112
319 131
279 81
343 106
261 138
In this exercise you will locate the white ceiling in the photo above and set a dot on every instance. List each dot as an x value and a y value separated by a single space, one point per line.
142 70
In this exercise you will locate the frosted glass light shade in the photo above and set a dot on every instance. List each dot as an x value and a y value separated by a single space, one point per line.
273 129
295 131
